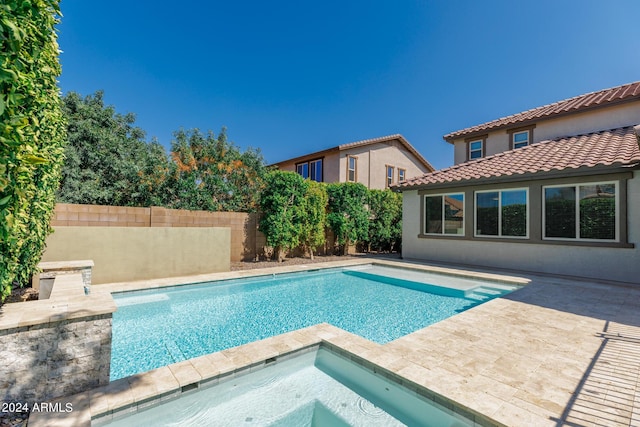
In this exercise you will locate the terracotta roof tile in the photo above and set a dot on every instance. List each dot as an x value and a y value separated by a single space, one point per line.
604 148
340 147
622 93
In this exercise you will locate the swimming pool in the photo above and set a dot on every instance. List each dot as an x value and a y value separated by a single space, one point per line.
316 388
155 328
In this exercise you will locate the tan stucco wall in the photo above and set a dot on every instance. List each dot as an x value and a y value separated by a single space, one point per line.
574 124
330 164
595 262
137 253
372 162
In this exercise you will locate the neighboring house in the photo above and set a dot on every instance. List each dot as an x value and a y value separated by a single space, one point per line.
554 189
376 163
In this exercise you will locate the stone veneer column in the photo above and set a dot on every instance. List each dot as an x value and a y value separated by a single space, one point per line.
55 347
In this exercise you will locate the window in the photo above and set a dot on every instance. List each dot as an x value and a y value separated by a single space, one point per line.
315 170
521 139
311 169
303 169
581 212
402 175
390 170
502 213
444 214
475 149
352 169
475 146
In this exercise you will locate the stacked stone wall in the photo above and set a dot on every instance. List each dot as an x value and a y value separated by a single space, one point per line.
44 361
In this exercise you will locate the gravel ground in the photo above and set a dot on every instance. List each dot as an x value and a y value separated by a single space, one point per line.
251 265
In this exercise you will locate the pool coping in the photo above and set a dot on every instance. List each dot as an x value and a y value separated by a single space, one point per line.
148 389
494 393
230 275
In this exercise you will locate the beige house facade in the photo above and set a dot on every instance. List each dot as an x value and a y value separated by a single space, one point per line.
555 189
377 163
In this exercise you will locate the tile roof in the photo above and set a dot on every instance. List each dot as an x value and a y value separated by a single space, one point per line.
580 103
397 136
615 147
349 145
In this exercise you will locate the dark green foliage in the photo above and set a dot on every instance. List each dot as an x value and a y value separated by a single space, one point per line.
385 223
560 218
514 220
348 215
211 173
108 162
282 203
487 221
32 135
314 217
598 218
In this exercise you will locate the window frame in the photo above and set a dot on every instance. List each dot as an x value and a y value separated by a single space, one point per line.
512 132
404 174
471 151
443 195
355 168
390 172
483 146
526 143
308 164
499 235
577 186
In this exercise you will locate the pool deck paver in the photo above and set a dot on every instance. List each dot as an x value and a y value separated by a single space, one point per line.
557 352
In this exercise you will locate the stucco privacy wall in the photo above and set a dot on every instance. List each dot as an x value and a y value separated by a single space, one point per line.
595 262
137 253
246 241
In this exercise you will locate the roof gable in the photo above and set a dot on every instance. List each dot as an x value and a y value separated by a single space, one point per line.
604 149
606 97
361 143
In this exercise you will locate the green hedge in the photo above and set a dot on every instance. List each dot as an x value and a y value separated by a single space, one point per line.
597 218
32 135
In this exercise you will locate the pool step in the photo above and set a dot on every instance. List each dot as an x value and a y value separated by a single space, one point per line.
485 293
174 351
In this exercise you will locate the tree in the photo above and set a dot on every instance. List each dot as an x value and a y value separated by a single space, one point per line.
385 224
314 217
212 173
283 207
32 135
348 215
108 162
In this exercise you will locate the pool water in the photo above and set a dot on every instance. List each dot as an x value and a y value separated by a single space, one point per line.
318 388
155 328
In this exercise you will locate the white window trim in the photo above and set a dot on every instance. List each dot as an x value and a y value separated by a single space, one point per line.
424 217
499 191
513 136
577 187
481 149
355 168
389 176
405 175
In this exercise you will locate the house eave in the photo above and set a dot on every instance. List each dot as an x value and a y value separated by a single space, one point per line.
536 176
517 124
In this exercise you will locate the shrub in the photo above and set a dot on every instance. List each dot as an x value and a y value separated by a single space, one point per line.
348 215
32 135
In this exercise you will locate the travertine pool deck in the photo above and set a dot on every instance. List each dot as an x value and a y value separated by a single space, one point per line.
558 352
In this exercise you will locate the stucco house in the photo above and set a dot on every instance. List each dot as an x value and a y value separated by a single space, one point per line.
555 189
377 163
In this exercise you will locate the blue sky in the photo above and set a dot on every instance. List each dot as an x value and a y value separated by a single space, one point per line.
293 77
